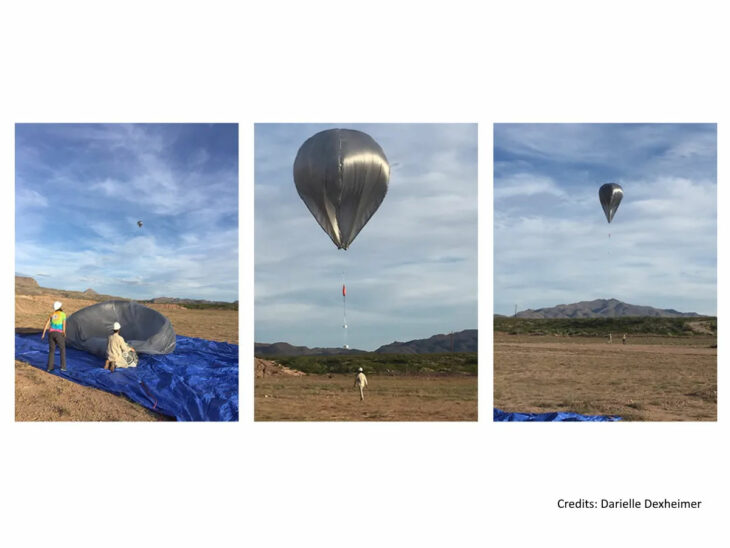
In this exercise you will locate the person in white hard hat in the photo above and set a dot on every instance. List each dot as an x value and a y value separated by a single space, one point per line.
56 327
118 352
361 381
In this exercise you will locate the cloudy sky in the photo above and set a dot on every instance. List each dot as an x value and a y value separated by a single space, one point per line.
551 238
80 190
410 273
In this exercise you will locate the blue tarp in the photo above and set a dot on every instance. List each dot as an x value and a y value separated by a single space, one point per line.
197 382
503 416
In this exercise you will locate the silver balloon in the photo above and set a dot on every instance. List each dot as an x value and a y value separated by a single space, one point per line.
610 196
342 177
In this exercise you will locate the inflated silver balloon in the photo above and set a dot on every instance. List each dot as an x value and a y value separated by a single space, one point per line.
610 196
342 177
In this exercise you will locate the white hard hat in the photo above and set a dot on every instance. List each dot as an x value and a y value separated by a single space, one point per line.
56 305
359 368
117 327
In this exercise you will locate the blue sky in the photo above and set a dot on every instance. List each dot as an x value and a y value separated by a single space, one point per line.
410 273
81 188
551 238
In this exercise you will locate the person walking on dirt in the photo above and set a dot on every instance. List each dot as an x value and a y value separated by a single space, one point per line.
56 327
624 339
610 338
118 352
361 381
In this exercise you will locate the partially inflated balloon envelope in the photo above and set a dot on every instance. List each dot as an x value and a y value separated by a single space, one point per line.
144 329
342 177
610 196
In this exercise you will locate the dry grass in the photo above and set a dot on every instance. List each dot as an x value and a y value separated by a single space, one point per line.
649 379
37 399
213 325
43 397
333 398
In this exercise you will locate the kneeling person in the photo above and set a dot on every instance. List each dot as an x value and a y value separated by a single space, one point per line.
118 352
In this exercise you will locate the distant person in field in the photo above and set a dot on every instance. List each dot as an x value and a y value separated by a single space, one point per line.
624 339
56 327
118 352
361 381
610 338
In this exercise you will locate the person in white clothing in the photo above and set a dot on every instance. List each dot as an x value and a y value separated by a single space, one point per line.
118 352
361 381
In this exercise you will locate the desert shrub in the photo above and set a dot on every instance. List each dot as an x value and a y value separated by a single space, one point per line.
597 327
458 363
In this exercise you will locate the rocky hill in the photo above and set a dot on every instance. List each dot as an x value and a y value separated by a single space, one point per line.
286 349
26 283
463 341
601 308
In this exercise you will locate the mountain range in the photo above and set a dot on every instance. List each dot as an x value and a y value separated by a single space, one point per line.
462 341
286 349
25 285
601 308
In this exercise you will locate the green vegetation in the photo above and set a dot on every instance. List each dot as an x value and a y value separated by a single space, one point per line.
595 327
460 363
198 305
210 306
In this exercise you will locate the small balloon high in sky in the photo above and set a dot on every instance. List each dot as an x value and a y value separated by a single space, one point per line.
610 196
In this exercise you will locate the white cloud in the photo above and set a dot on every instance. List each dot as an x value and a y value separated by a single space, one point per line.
525 184
29 199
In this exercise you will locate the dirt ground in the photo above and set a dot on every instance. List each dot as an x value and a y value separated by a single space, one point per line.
268 368
648 379
334 398
43 397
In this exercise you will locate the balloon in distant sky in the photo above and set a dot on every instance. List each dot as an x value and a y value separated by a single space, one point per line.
139 224
342 177
610 196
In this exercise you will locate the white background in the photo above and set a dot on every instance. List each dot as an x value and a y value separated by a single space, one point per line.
352 484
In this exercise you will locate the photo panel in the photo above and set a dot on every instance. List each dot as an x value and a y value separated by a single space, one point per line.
365 272
605 272
126 272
